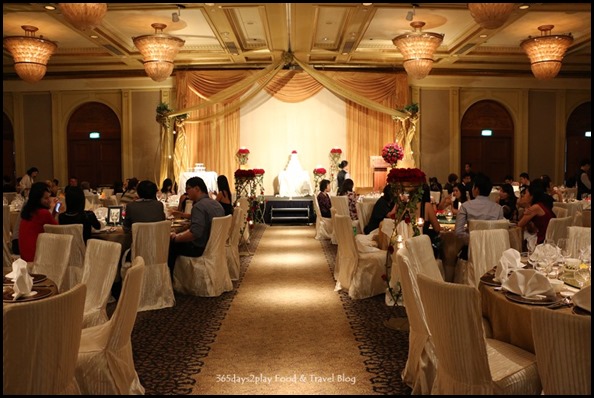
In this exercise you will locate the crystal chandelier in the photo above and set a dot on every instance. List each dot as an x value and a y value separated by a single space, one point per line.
84 16
546 52
158 51
30 54
490 15
417 48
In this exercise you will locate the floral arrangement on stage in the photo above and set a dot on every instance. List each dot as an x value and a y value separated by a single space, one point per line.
258 172
241 174
392 153
335 155
242 155
294 152
163 110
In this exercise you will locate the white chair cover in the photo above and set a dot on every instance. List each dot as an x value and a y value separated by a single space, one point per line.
150 240
341 204
105 365
469 363
52 256
421 364
207 275
557 228
323 225
232 244
40 344
91 201
578 219
435 196
572 207
559 211
7 259
485 248
488 224
579 238
421 256
77 251
563 345
100 269
364 210
359 273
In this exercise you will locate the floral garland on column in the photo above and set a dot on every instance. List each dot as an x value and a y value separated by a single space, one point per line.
335 155
319 173
258 203
242 156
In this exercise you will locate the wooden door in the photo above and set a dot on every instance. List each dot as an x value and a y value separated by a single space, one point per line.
578 146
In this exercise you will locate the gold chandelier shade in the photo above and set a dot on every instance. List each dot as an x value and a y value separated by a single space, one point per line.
84 16
546 52
158 52
31 54
418 48
490 15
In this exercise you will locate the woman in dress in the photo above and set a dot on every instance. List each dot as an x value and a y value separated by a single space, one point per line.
38 210
459 195
508 200
539 213
76 214
347 189
166 190
224 194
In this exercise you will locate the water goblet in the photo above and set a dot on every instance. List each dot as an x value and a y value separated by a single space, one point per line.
449 215
583 275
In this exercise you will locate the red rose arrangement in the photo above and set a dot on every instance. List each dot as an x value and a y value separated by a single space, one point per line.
258 172
242 155
392 153
244 174
293 151
414 176
320 171
336 150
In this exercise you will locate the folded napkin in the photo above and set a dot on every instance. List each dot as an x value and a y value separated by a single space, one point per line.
510 261
23 283
544 252
529 283
582 299
15 266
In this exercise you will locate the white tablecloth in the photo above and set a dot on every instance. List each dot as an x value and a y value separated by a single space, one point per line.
209 177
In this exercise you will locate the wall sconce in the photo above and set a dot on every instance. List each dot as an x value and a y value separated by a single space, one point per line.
84 16
31 54
417 48
158 51
546 52
490 15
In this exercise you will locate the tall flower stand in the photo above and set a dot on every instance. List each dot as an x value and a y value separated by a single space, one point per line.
258 203
244 187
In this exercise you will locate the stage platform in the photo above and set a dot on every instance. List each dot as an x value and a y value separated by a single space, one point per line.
284 210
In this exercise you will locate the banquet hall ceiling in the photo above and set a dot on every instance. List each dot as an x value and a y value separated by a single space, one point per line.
325 35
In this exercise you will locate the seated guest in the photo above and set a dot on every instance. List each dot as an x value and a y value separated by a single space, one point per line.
467 184
539 213
431 226
35 214
479 208
192 241
324 198
130 193
507 199
146 208
166 190
381 208
452 181
550 190
459 197
224 194
434 184
76 214
347 189
524 181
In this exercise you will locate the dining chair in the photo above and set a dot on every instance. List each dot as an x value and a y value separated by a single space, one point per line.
563 345
40 343
559 211
52 256
100 269
244 204
232 244
421 255
323 225
557 228
207 275
572 207
485 248
6 223
77 251
435 196
105 363
578 219
488 224
150 240
7 258
468 363
364 210
579 238
359 273
421 363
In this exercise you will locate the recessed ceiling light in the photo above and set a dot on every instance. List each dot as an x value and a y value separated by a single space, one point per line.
94 37
524 6
483 36
49 8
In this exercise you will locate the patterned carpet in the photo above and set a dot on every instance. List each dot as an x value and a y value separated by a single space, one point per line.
171 344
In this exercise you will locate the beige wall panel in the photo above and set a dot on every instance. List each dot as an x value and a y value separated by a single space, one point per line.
435 135
145 135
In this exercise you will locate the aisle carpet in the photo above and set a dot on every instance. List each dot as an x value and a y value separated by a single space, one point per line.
283 330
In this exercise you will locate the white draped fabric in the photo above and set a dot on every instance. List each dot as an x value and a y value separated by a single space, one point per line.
78 248
232 246
52 254
294 181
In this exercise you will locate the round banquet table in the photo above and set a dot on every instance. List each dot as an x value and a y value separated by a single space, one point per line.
510 321
44 287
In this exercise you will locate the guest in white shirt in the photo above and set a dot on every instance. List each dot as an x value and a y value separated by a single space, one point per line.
479 208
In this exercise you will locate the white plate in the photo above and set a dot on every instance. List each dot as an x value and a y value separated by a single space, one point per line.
30 294
567 293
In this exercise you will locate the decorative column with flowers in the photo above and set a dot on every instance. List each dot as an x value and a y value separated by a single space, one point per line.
335 155
242 156
258 203
319 173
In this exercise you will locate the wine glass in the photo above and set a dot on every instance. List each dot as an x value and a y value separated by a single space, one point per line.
582 275
449 214
565 251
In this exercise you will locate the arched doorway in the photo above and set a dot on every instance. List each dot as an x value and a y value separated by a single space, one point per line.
96 160
8 158
577 146
491 155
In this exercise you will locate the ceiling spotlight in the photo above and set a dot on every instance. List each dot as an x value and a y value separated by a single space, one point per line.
175 17
411 14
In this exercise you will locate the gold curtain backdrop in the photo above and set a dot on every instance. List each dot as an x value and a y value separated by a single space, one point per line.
214 99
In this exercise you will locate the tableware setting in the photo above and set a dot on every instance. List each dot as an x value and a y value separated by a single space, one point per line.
582 304
510 261
528 286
